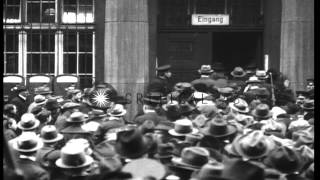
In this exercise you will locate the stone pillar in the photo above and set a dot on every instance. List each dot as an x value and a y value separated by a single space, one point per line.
297 41
126 44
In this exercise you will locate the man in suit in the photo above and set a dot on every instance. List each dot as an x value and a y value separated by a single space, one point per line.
161 82
204 83
21 101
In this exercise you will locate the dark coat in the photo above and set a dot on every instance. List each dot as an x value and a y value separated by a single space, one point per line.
32 170
22 106
159 85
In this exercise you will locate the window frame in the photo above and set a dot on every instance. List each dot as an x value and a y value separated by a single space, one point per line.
5 52
41 4
77 11
5 21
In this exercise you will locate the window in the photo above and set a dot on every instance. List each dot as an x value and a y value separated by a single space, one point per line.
11 52
40 52
41 11
77 50
77 11
11 11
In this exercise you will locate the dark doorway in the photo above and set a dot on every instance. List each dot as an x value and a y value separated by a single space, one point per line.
237 49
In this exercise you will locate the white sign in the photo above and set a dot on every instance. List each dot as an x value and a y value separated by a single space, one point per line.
210 19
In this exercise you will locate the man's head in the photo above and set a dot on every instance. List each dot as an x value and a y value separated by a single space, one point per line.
164 71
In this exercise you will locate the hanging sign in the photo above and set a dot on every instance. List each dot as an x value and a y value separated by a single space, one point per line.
210 19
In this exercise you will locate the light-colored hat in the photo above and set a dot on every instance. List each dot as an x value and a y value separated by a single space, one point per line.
253 79
205 69
27 142
76 117
117 111
49 134
240 105
183 127
73 157
28 122
40 99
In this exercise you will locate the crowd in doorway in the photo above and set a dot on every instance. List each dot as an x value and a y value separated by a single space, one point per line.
244 125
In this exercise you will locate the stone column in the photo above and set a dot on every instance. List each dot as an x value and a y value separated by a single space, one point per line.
297 41
126 44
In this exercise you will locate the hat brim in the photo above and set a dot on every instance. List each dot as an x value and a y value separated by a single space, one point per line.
41 103
230 131
36 124
237 75
269 144
88 161
205 72
178 161
58 138
174 133
252 81
239 110
39 146
254 113
118 115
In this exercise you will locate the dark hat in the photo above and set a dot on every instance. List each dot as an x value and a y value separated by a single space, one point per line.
210 171
238 169
164 150
105 149
183 127
77 117
132 144
219 128
70 105
240 105
164 67
238 72
262 111
73 157
52 104
27 142
28 122
192 158
205 69
117 111
145 167
43 90
254 145
284 159
19 88
308 105
49 134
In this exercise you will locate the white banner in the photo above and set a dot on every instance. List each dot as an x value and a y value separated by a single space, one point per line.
210 19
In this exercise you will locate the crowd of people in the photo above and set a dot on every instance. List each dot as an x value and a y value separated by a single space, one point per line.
244 125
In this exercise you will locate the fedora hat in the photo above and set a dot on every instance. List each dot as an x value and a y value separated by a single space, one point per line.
261 74
52 104
254 145
238 72
192 158
183 127
262 111
70 105
308 105
39 99
145 167
76 117
28 122
236 169
49 134
117 111
253 79
272 127
205 69
27 142
219 128
164 150
132 144
240 105
284 159
164 67
73 157
210 171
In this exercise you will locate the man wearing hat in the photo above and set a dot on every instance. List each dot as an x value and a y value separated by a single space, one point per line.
21 101
238 77
27 145
66 110
205 71
53 106
161 82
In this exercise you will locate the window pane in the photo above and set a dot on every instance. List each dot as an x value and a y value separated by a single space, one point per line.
48 12
47 63
85 14
85 42
85 81
70 63
33 63
70 42
12 14
47 41
11 63
85 63
33 42
85 2
33 12
11 42
69 14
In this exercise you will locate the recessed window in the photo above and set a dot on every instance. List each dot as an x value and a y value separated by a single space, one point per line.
77 11
11 42
11 11
41 11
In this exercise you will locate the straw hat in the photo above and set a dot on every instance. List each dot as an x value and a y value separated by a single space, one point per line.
28 122
183 127
27 142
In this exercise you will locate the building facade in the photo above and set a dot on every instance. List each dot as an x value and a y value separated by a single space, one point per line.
122 41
